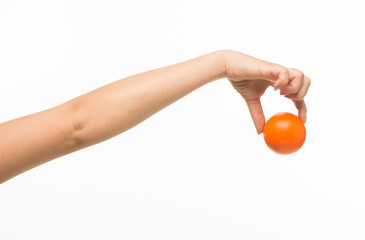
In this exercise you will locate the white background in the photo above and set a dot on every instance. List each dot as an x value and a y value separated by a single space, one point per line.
197 169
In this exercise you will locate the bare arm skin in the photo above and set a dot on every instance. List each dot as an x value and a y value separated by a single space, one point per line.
32 140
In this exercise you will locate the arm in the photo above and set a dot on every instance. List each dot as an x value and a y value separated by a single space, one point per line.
32 140
114 108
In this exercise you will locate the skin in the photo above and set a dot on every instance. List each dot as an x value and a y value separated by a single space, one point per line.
114 108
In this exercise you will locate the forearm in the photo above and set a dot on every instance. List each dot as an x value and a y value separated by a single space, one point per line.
34 139
116 107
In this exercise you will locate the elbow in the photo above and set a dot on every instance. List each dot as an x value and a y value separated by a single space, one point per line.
78 127
77 124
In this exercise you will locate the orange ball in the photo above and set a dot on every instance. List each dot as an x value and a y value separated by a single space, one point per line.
284 133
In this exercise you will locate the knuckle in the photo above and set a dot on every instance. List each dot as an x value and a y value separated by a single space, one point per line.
309 81
285 71
299 74
296 71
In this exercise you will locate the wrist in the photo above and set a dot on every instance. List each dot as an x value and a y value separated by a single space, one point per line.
220 60
225 56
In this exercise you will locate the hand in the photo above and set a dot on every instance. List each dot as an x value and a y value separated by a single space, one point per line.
251 77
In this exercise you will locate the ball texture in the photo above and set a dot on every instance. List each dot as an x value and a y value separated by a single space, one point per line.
284 133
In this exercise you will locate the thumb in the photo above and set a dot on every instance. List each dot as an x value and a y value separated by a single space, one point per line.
257 114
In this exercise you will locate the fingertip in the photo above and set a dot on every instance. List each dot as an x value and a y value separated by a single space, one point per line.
303 117
260 129
277 85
